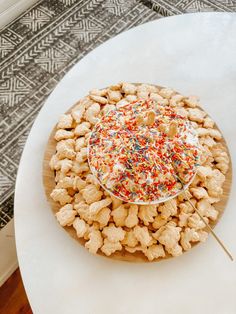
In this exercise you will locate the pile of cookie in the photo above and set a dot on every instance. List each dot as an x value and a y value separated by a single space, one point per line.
107 223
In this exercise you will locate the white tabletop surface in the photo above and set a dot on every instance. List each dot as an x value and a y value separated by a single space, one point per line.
195 54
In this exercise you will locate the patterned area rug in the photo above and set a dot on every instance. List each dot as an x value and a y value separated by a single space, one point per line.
39 47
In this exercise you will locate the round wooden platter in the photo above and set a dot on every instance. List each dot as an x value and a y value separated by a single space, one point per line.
123 255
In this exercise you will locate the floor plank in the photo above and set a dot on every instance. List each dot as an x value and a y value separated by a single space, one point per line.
13 299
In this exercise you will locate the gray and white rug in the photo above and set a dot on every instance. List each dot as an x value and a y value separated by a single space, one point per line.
39 47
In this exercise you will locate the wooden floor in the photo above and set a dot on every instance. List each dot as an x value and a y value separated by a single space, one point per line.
13 299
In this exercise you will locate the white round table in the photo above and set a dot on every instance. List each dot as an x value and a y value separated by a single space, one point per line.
194 54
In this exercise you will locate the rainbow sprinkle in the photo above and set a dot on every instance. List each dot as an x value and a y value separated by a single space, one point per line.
140 162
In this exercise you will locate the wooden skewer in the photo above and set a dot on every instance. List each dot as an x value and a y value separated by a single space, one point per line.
202 218
206 224
209 228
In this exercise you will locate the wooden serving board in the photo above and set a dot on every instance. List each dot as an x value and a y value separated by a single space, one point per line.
49 184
